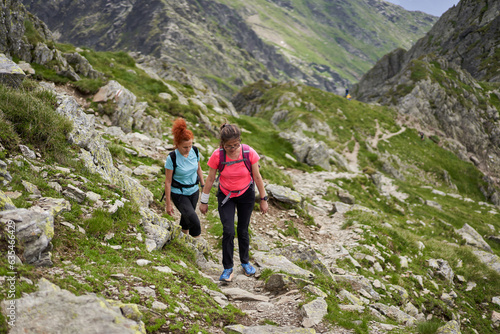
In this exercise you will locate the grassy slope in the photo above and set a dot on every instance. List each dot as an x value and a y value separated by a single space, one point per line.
423 162
314 41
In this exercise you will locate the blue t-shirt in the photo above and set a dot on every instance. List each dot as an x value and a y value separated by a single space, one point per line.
185 172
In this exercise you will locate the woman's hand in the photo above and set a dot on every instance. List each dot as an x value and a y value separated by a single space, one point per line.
169 208
264 206
203 208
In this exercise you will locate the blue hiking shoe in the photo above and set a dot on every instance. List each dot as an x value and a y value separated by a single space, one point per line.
248 269
227 275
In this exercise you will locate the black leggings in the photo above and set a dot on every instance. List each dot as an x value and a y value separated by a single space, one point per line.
187 206
244 204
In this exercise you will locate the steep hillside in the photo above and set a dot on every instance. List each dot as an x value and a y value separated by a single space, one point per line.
372 228
448 82
325 44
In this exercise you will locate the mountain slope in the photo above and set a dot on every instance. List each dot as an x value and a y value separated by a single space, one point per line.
328 44
448 82
381 230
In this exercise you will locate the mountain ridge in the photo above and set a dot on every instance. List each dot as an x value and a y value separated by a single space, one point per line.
213 40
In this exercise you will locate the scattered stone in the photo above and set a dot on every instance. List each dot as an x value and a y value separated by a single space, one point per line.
31 188
27 152
74 193
283 194
243 295
452 327
142 262
473 238
267 329
164 269
314 312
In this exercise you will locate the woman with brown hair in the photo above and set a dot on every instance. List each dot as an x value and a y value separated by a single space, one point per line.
238 174
182 175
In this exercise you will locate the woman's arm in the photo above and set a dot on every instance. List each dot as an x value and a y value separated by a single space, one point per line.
206 190
168 185
260 186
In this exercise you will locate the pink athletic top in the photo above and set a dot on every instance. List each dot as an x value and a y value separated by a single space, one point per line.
234 177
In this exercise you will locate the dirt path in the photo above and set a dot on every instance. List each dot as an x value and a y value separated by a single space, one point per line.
379 135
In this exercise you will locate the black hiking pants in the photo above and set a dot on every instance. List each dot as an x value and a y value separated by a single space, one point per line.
244 205
187 206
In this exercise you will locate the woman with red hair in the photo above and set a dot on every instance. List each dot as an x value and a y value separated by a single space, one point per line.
182 175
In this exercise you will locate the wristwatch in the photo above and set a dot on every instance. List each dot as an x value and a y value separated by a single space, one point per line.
265 198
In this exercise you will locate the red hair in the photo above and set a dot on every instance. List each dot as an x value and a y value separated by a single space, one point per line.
181 132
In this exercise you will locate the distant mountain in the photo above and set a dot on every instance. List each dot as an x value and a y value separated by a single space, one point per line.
326 44
449 81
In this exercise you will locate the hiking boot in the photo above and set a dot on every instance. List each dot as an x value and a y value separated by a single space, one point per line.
248 269
227 275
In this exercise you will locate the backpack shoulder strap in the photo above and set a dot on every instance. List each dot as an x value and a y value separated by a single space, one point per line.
173 157
222 159
246 157
196 151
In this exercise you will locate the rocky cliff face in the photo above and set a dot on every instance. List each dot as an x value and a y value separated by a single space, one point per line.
220 39
438 81
14 22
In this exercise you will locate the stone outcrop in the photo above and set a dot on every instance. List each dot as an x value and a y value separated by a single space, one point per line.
34 230
10 74
53 310
94 151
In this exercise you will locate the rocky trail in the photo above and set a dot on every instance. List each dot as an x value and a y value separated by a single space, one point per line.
279 302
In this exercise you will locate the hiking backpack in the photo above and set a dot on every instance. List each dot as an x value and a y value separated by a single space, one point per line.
175 183
246 159
223 163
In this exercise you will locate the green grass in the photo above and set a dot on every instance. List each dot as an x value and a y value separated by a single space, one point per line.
32 117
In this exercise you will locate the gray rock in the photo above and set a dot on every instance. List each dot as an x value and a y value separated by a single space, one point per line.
358 283
491 260
451 327
434 204
34 231
10 74
243 295
145 291
314 312
267 329
308 150
442 268
346 198
52 310
277 283
300 253
95 154
54 206
27 152
74 193
6 202
283 194
396 314
31 188
280 263
346 295
473 238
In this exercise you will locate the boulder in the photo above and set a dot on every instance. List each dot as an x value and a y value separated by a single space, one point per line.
314 312
34 231
53 310
473 238
10 73
283 194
